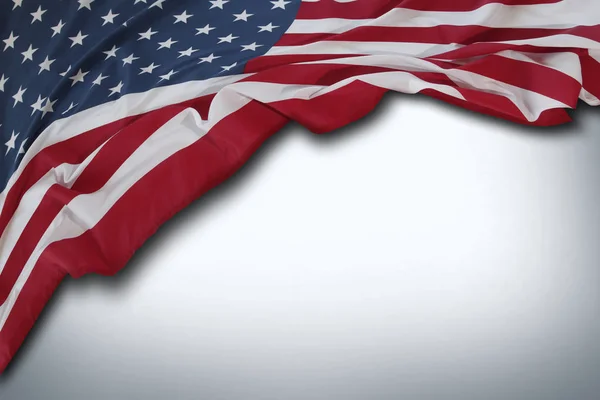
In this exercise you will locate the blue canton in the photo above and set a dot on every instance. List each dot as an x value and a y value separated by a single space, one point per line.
58 57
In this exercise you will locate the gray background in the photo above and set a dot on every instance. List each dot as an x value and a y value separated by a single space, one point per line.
422 253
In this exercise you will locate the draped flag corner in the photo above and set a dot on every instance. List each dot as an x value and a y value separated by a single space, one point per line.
116 114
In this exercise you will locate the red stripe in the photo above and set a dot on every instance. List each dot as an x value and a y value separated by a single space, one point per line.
591 78
441 34
42 282
376 8
484 49
315 74
266 62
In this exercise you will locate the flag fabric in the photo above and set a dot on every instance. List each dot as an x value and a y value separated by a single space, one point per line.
116 114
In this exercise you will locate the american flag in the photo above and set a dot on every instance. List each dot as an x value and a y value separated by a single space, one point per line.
116 114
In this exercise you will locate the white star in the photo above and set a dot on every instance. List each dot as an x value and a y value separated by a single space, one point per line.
45 65
242 17
99 79
22 147
183 17
130 59
38 105
206 30
229 67
19 96
252 46
37 16
147 35
11 142
116 89
10 41
227 38
148 69
77 40
267 28
57 28
218 4
187 52
111 53
208 59
139 1
3 81
78 77
157 3
109 18
18 3
167 44
66 72
168 76
71 106
28 54
280 4
48 107
85 4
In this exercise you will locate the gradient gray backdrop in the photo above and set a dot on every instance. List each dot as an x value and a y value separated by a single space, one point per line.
422 253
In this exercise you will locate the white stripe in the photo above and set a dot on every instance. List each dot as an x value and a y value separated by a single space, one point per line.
561 40
565 14
421 50
589 98
337 1
370 48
